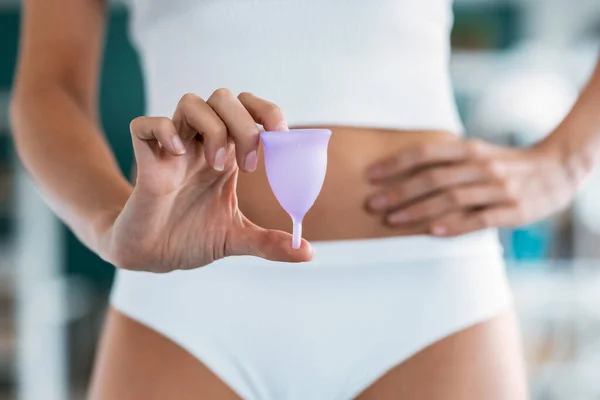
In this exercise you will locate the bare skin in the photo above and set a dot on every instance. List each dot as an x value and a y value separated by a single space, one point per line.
335 217
58 138
169 370
332 217
135 362
481 362
459 187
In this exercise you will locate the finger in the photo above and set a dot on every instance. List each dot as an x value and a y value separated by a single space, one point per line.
430 181
193 116
470 221
455 199
423 155
149 132
269 115
270 244
240 125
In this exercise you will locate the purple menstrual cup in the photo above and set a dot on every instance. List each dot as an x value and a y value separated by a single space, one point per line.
296 162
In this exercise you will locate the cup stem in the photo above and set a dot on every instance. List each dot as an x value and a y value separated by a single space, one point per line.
296 234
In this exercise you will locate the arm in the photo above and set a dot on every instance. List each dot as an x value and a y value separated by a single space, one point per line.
578 137
182 213
54 116
462 186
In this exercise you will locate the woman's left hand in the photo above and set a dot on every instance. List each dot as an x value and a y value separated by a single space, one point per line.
462 186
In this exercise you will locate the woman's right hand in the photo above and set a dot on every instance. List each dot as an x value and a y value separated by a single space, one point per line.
183 212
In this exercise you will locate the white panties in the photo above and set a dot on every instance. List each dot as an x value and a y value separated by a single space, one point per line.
328 329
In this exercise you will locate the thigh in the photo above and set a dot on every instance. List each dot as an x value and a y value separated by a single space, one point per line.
482 362
135 362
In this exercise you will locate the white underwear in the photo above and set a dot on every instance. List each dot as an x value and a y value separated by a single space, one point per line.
328 329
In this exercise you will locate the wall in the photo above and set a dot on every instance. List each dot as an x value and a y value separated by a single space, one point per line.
121 100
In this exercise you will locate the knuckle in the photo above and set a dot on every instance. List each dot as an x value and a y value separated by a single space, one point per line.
434 178
521 212
424 210
188 98
222 93
270 114
163 124
422 151
484 220
391 196
272 110
494 169
216 130
186 104
220 129
133 125
475 147
252 135
508 189
454 197
245 95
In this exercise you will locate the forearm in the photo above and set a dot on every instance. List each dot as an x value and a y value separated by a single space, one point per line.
64 151
577 138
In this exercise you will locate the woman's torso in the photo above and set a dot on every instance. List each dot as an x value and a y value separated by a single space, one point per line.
339 212
377 64
380 67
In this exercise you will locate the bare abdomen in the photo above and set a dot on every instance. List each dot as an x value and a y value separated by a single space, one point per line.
339 212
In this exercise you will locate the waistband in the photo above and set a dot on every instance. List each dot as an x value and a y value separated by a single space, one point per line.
397 249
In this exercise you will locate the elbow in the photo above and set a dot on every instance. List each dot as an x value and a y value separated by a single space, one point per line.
23 111
17 111
24 108
13 110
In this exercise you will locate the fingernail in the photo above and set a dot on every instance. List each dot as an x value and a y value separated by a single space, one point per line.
378 203
398 218
282 127
251 161
220 156
178 145
439 230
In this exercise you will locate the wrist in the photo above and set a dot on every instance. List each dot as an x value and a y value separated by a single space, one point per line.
103 227
576 141
576 157
103 231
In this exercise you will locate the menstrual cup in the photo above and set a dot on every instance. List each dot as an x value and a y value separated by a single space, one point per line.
296 162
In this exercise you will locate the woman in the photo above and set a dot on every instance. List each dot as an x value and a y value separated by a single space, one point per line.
386 310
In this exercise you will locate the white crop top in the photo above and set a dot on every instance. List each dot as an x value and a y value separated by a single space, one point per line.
369 63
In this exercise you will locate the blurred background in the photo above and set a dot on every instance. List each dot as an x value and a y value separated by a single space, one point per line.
517 67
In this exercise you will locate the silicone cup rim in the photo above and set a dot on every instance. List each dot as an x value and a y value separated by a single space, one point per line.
301 133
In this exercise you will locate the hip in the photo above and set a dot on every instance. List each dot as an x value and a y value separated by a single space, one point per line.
369 303
405 271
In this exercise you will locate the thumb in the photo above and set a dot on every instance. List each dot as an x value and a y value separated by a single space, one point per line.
269 244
